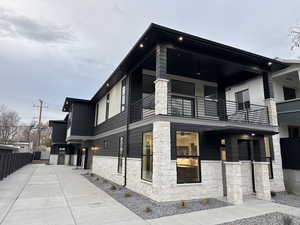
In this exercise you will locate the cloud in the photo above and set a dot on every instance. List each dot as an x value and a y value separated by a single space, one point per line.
16 26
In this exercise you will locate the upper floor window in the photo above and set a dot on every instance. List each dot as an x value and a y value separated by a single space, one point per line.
123 95
294 131
96 114
107 106
243 100
105 144
289 93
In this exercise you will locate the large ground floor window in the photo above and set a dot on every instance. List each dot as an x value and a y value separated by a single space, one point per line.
188 157
147 156
269 156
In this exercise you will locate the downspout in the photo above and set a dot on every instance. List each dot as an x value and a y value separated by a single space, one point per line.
127 129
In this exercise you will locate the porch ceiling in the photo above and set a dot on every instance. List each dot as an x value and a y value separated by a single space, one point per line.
157 34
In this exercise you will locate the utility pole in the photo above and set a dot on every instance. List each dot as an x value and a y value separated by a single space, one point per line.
40 123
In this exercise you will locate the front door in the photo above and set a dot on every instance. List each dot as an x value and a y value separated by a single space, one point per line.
61 156
246 154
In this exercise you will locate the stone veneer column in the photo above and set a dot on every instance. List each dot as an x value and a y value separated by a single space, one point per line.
262 182
162 168
277 183
234 182
161 96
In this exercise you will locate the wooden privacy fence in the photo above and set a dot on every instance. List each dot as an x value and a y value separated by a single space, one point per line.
10 162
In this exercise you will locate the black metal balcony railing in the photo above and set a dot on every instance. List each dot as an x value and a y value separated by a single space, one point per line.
142 108
216 109
202 108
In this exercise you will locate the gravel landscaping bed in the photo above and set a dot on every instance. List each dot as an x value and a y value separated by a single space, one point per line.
287 199
147 208
267 219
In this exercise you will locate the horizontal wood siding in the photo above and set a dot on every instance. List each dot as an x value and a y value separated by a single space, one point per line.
117 121
136 141
112 144
82 119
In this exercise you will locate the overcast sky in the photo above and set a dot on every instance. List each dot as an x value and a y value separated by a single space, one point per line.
51 49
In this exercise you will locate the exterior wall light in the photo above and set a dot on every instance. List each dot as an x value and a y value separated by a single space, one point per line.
180 38
269 63
141 45
252 134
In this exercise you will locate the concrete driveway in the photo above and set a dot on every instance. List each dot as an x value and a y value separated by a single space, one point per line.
59 195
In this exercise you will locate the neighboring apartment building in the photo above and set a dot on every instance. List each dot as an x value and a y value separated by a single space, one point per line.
182 118
287 95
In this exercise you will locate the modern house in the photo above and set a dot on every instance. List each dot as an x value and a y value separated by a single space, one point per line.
182 118
287 95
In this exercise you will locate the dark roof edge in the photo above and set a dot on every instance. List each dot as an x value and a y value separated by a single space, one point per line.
216 44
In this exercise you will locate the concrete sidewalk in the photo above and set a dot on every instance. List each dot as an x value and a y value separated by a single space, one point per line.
52 195
58 195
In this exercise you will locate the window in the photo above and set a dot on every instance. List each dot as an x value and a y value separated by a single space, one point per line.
123 95
96 114
182 87
243 100
181 106
105 144
120 155
107 107
210 101
269 156
188 157
289 93
147 156
294 131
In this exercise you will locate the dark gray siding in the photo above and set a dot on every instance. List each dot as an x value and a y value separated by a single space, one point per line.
59 130
112 144
117 121
290 153
209 144
82 119
136 141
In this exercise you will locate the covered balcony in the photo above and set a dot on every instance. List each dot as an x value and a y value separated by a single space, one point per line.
287 94
202 108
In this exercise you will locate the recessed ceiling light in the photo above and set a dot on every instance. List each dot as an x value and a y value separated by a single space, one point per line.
141 45
180 38
107 84
270 63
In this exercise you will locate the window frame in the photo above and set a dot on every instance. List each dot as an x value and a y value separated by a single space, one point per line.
189 156
146 155
245 106
120 155
123 95
96 113
287 93
105 144
294 131
107 106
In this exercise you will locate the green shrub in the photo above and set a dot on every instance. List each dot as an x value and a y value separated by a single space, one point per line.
127 195
147 209
113 188
182 204
204 201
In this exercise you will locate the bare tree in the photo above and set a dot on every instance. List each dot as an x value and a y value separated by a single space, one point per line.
45 138
8 125
295 36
